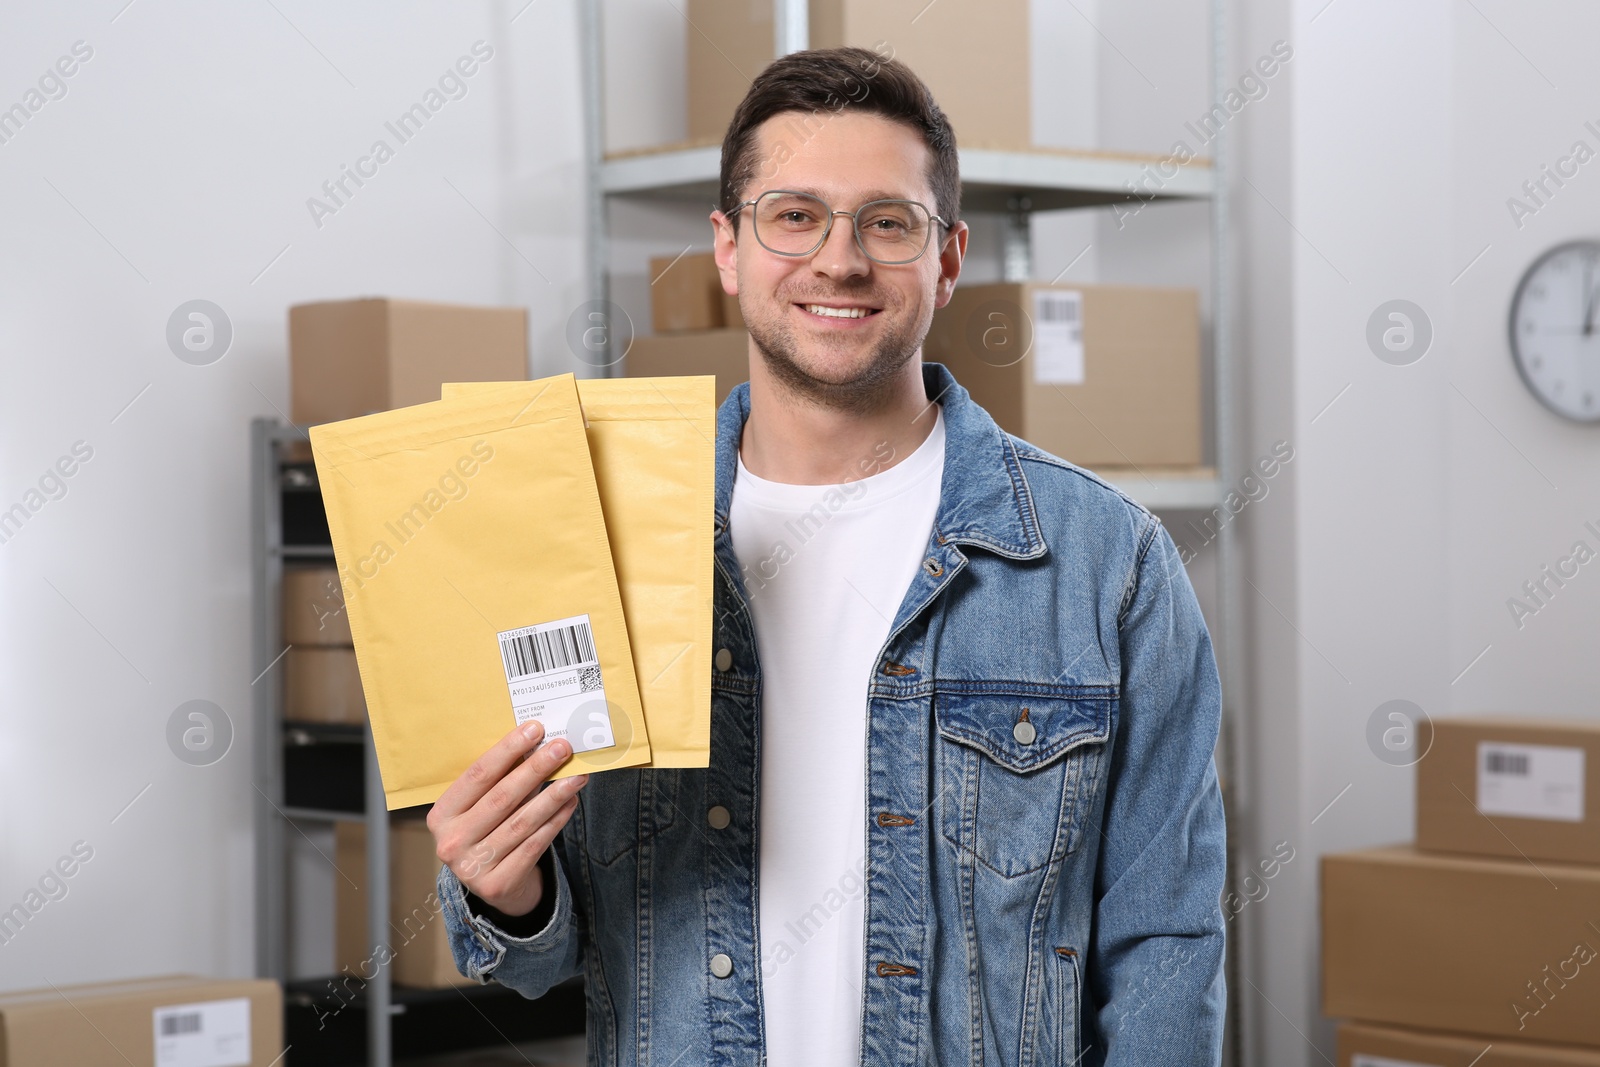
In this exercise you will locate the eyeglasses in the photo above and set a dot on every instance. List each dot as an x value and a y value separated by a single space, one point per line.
791 223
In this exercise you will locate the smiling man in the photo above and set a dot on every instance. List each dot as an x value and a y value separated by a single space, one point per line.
961 806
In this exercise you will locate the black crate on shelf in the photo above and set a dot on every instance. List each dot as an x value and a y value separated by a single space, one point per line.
324 767
305 519
325 1020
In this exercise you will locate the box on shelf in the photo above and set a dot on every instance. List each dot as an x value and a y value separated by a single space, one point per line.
973 55
723 353
323 684
417 936
1510 787
353 357
1100 375
1364 1045
313 607
686 293
1502 948
146 1022
732 318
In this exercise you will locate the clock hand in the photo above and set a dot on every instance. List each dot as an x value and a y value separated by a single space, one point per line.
1588 310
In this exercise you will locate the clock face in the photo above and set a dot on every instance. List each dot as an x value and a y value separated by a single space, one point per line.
1555 330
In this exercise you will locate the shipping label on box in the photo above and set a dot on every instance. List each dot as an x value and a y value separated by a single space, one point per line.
1530 781
1057 337
210 1034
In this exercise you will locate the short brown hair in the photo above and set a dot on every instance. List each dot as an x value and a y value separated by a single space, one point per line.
840 79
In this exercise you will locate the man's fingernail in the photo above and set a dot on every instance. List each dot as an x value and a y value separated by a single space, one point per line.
532 729
560 749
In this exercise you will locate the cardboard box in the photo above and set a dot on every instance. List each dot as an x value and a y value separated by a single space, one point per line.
323 685
973 55
1477 946
121 1024
723 353
417 935
313 607
732 318
1362 1045
354 357
1100 375
686 293
1510 787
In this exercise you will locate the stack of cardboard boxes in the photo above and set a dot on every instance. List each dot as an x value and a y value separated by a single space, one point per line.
1480 944
698 328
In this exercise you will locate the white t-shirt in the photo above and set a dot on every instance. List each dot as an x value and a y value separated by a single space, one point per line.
825 568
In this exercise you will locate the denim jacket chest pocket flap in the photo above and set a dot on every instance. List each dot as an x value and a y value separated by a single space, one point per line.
1019 769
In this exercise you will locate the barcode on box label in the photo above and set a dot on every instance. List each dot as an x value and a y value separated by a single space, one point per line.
553 674
211 1034
1530 781
1506 763
1057 337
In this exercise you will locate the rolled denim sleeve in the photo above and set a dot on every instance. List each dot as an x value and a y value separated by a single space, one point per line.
1155 964
529 964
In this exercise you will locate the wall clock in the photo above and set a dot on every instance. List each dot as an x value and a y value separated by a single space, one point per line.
1555 330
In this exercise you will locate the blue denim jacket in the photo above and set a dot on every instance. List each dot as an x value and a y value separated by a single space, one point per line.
1044 830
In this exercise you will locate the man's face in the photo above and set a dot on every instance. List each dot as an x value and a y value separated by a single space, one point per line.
846 159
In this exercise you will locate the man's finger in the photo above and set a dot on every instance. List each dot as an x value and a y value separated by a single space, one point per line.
511 874
511 792
488 769
531 817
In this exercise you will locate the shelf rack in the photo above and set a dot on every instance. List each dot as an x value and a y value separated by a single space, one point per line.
1013 184
278 455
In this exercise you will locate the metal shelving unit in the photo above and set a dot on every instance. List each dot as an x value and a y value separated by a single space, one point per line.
1012 184
425 1013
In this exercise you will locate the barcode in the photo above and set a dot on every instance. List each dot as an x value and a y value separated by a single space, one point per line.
1062 308
563 646
1506 763
190 1022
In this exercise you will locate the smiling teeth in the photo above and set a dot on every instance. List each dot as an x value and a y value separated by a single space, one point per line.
837 313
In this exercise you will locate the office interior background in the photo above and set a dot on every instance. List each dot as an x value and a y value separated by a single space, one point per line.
1415 158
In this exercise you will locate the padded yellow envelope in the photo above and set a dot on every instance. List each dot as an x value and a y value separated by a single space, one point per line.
479 584
652 441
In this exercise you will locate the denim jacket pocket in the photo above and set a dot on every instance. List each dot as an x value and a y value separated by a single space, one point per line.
1068 1002
1019 766
623 807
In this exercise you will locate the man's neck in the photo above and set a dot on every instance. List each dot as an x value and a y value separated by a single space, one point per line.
794 440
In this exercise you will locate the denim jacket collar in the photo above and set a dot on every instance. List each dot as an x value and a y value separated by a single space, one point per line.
984 499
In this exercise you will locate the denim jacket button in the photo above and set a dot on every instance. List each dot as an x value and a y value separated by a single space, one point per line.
1024 732
721 965
718 817
724 660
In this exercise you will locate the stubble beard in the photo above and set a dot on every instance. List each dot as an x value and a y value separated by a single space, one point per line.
871 388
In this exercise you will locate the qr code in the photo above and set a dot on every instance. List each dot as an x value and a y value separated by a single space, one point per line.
588 679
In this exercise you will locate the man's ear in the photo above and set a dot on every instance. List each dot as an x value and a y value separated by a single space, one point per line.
952 250
725 247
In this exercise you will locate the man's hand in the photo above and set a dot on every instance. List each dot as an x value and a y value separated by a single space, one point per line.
495 821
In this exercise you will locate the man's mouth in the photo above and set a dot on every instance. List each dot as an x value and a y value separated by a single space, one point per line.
840 311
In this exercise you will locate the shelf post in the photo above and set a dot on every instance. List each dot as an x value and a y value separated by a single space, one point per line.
791 26
379 1044
1016 240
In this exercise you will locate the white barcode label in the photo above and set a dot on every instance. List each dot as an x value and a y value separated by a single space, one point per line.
1057 337
553 673
1361 1060
1530 781
213 1034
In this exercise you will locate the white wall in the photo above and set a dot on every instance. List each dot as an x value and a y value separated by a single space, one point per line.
178 166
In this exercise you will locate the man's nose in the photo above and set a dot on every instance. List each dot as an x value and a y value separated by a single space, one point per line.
840 256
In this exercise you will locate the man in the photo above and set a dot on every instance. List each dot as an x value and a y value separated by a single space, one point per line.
961 806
